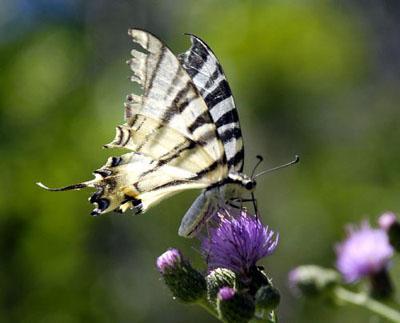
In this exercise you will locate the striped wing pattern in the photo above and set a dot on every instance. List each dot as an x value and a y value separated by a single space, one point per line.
207 74
168 128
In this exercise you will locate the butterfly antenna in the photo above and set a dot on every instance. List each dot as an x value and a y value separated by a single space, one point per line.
294 161
260 159
66 188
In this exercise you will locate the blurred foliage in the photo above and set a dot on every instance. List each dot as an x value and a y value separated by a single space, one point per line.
318 78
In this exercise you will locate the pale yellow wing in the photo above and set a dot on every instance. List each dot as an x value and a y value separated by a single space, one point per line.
174 142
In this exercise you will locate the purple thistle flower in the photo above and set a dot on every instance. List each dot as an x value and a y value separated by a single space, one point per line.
226 293
168 260
365 252
238 241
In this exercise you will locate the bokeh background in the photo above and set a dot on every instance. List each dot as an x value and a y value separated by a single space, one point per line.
317 78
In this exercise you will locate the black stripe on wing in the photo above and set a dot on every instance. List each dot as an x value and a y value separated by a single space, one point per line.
207 74
212 167
194 60
220 93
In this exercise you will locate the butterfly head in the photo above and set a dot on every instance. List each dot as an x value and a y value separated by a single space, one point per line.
249 184
245 182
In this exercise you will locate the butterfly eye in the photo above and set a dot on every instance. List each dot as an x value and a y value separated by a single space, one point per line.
250 185
102 204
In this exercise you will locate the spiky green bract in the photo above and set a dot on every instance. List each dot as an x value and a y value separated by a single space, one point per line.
312 281
217 279
234 307
185 282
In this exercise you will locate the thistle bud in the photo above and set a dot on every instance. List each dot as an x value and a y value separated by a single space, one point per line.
234 307
267 298
185 282
218 278
313 280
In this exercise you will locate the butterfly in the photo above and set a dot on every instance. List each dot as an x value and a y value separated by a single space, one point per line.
182 132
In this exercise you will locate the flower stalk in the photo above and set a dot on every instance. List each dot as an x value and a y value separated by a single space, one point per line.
343 295
208 307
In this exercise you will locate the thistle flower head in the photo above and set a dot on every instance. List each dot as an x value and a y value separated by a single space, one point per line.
238 241
185 282
365 252
386 220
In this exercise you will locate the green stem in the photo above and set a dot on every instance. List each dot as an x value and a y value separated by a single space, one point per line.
208 307
365 301
274 317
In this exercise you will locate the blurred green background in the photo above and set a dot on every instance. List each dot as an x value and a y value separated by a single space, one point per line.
318 78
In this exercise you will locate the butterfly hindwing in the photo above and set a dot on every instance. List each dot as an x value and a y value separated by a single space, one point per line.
130 182
203 67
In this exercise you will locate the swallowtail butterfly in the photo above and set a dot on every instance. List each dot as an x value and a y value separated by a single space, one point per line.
182 132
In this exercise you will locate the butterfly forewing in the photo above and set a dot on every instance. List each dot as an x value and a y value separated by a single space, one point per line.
173 138
169 96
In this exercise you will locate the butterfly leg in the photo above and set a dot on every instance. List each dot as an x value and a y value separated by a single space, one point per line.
235 203
254 204
241 201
